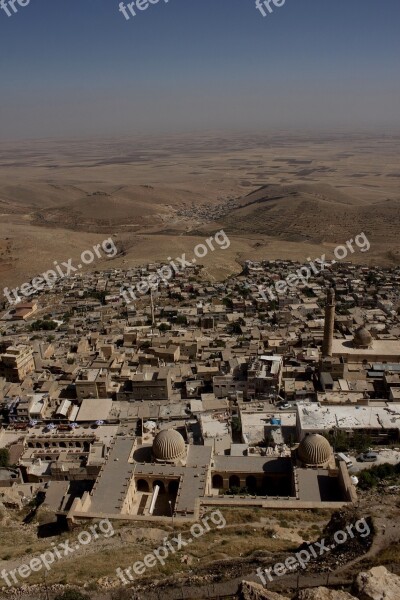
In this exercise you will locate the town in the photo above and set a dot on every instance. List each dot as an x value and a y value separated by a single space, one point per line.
201 394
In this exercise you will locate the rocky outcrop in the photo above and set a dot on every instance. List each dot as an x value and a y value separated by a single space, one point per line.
322 593
255 591
378 584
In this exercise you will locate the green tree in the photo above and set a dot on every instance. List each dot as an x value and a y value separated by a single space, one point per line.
43 325
227 301
220 343
181 320
338 440
367 480
361 442
235 328
236 425
372 279
4 457
100 296
370 478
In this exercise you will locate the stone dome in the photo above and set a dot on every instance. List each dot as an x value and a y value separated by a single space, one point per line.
362 338
314 450
169 446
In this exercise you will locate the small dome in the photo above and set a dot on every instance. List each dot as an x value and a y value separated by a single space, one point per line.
314 450
169 446
362 338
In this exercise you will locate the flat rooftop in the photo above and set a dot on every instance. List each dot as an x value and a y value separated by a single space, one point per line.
381 348
95 409
111 486
214 425
254 424
314 417
315 485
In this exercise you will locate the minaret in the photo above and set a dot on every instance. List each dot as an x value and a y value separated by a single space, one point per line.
329 323
152 310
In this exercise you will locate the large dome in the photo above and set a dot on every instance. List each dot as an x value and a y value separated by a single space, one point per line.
362 338
314 450
169 446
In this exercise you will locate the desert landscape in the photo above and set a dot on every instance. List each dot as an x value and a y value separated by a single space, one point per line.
276 196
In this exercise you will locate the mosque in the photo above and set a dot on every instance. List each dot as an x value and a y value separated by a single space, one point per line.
358 348
161 476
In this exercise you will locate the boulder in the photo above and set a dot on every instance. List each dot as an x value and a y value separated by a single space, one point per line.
378 584
255 591
322 593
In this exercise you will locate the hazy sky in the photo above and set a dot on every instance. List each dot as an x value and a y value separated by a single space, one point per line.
78 67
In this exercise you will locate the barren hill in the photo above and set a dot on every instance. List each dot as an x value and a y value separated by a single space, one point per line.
313 213
276 196
96 206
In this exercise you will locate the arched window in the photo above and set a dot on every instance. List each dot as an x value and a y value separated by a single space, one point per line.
217 482
173 487
160 484
142 486
234 481
251 483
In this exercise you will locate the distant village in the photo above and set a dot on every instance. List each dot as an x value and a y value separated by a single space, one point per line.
198 394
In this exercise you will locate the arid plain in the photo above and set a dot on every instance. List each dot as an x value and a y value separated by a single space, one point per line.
276 196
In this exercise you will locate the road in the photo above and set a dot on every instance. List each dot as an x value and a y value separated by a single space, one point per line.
384 456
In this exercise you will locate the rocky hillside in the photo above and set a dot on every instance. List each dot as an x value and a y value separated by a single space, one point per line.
376 584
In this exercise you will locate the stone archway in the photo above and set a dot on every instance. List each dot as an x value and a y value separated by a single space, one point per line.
142 486
173 487
218 482
160 484
251 483
234 481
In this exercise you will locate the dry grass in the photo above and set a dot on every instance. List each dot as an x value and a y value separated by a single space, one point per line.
101 558
389 555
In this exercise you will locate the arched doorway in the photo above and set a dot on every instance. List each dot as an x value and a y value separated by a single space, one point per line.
142 486
251 484
160 484
173 487
218 482
234 481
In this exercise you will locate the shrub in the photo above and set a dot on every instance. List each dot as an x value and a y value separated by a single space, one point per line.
4 457
72 595
43 325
